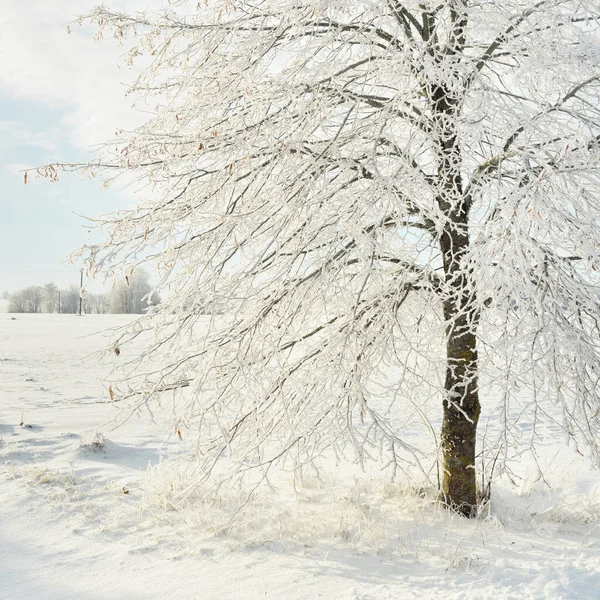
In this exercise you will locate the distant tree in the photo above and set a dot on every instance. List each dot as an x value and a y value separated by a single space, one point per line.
69 300
5 295
34 298
50 298
27 300
16 302
132 295
95 304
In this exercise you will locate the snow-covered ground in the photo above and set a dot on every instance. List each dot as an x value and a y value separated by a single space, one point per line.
81 518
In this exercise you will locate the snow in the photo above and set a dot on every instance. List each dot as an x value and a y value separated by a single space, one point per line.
80 517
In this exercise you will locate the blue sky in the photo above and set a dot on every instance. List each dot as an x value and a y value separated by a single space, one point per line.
39 227
60 95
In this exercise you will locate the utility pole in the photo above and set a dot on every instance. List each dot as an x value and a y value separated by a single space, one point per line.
80 291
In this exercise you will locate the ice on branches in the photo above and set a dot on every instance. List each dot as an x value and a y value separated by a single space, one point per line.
365 198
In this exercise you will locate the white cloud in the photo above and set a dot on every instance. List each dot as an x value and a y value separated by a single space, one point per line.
69 72
15 134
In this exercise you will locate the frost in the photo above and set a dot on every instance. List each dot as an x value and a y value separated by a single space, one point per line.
338 192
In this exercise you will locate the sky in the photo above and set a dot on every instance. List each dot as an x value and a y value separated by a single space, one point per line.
61 95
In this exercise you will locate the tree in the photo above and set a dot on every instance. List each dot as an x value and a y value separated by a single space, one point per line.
27 300
16 303
69 300
365 187
95 304
50 298
132 295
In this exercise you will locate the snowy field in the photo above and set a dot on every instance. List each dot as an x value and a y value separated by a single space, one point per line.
80 516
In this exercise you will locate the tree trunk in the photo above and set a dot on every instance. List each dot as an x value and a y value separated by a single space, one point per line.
461 414
461 401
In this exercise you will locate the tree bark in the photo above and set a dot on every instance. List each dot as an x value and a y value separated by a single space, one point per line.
461 401
461 414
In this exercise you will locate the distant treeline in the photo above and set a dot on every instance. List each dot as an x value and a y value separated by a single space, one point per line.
126 297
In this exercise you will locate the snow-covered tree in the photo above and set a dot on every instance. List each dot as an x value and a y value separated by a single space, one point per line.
95 304
27 300
132 294
17 303
395 203
69 300
50 298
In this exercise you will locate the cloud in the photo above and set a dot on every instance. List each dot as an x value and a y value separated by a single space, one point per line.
70 73
14 134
